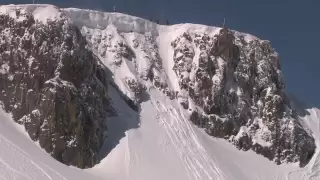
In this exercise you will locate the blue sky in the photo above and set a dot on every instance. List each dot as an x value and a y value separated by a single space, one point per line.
292 27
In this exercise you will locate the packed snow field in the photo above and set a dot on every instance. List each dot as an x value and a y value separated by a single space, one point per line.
157 143
165 146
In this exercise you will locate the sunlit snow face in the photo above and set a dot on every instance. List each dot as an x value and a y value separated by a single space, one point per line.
159 139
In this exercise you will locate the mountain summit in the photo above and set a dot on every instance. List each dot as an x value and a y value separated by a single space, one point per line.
58 68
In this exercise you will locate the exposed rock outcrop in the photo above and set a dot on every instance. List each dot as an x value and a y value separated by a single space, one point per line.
54 86
238 91
53 83
231 83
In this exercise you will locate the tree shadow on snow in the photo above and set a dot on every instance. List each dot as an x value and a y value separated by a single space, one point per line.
126 116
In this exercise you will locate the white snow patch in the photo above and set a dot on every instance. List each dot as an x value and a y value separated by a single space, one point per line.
4 69
22 159
100 20
157 143
47 13
41 12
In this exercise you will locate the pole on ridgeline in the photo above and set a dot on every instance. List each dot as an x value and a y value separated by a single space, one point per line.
224 22
114 8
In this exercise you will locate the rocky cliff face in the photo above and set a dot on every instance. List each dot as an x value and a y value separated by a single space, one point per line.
237 90
54 86
230 83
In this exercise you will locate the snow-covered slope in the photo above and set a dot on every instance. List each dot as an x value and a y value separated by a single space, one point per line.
22 159
230 83
165 146
168 146
158 141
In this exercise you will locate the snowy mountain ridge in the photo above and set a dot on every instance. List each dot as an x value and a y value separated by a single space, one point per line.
138 52
228 83
42 13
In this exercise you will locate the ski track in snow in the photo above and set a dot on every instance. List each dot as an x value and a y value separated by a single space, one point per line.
16 165
16 162
130 157
199 165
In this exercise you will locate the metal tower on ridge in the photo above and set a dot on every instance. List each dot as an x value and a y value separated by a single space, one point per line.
224 22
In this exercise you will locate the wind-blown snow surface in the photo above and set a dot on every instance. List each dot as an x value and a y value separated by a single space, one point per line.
165 146
41 13
158 142
22 159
